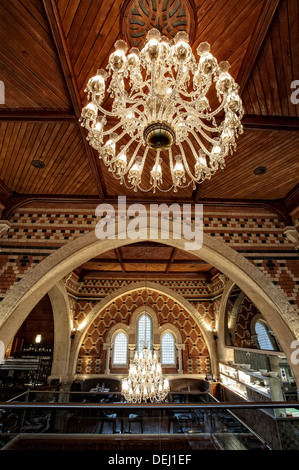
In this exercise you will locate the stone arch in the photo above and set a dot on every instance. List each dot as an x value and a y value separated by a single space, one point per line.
130 329
273 304
168 327
62 330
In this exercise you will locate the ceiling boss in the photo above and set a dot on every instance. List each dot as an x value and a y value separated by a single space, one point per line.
161 113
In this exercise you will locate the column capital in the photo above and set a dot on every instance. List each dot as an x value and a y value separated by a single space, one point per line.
4 226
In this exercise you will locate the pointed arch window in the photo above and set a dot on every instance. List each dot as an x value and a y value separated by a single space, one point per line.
120 349
263 336
144 332
168 349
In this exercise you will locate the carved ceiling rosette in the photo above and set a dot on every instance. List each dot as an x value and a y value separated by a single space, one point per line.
168 16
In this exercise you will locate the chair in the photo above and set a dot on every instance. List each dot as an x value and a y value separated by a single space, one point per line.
109 418
135 418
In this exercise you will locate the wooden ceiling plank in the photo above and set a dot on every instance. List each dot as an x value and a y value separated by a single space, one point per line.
257 39
87 20
253 96
16 75
58 35
32 154
286 54
28 27
9 134
280 73
79 24
19 144
50 143
77 171
258 83
293 15
64 139
88 62
20 162
63 175
238 26
273 87
35 62
207 15
69 16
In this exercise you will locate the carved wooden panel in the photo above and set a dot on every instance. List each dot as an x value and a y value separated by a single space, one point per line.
168 16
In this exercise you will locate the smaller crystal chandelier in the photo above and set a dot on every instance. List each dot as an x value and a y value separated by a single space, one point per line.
161 111
145 381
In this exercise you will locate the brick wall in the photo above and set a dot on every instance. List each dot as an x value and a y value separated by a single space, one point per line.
255 233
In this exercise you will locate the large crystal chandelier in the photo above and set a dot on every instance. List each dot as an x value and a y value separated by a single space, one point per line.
161 112
145 381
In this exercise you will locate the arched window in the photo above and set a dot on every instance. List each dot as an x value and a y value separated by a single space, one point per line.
263 336
167 349
120 349
144 332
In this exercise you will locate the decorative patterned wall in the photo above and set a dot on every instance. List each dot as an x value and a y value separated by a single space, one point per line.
92 355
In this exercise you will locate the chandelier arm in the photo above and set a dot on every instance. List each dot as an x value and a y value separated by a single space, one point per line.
113 160
179 77
186 164
198 117
132 158
113 129
203 147
198 92
207 116
105 111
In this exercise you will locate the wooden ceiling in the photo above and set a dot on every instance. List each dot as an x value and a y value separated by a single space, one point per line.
146 261
50 48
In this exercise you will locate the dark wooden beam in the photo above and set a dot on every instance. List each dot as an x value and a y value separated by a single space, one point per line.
149 261
119 259
67 68
263 23
174 252
136 275
280 123
7 115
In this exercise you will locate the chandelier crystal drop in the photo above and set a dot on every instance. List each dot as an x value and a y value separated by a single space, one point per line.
161 112
145 381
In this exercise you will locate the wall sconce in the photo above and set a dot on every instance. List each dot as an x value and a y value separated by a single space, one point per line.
38 338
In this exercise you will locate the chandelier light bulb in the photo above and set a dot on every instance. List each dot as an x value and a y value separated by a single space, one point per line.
162 104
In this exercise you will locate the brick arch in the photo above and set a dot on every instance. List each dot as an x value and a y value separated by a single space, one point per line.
272 303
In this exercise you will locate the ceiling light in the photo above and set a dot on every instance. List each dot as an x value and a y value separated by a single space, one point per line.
261 170
161 112
38 164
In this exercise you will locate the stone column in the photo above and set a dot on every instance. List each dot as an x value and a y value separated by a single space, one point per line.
180 348
132 348
107 347
156 348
